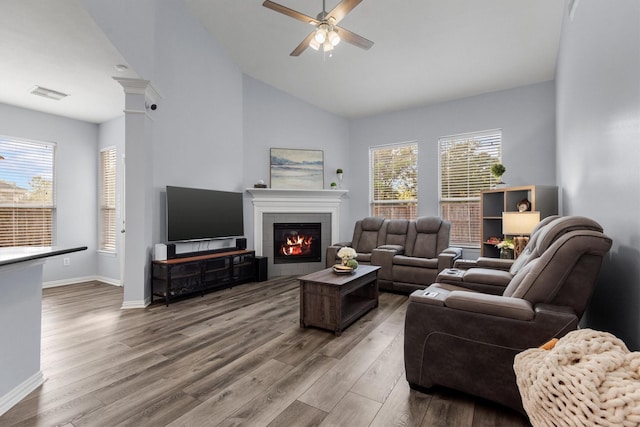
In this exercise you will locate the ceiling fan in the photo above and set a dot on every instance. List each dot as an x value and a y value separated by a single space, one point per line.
327 34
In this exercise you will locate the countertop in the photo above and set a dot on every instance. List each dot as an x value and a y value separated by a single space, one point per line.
16 255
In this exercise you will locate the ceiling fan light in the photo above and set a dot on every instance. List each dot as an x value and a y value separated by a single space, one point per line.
321 35
327 46
313 44
334 38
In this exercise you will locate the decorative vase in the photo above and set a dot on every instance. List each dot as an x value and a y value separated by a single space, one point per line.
506 253
339 180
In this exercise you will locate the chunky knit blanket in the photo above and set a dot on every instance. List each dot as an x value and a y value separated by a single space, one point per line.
589 378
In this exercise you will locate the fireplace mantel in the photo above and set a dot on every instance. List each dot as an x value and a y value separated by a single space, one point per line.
269 200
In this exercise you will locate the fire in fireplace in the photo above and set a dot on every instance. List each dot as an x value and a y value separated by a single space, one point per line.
296 242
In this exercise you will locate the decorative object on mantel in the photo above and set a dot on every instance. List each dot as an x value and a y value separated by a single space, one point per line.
497 170
297 169
333 185
260 184
339 174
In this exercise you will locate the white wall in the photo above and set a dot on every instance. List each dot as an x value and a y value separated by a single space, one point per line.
274 119
598 104
76 180
526 116
111 134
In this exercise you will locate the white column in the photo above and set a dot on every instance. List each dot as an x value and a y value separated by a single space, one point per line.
138 177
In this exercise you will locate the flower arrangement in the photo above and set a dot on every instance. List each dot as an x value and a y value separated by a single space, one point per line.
348 256
505 244
346 253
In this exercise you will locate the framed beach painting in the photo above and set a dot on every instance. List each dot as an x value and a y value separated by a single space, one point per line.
297 169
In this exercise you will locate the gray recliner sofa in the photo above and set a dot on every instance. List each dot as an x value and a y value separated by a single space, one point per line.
416 264
466 339
409 252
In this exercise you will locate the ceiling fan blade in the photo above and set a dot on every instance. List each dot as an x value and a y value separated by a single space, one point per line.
354 39
290 12
341 10
303 45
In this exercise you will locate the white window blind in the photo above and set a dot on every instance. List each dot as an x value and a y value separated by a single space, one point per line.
27 202
465 162
393 182
107 218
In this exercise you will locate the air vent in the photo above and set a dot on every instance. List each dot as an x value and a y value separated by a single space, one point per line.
48 93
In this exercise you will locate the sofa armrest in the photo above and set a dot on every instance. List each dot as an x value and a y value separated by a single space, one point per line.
447 257
399 249
495 263
383 257
494 305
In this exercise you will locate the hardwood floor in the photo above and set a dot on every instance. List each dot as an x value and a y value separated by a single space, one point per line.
235 357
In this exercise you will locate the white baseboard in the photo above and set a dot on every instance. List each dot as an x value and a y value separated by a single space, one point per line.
76 280
20 392
135 304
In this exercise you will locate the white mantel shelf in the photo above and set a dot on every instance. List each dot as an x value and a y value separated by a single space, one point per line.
269 200
275 193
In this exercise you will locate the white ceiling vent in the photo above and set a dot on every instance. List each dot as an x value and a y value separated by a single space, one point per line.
48 93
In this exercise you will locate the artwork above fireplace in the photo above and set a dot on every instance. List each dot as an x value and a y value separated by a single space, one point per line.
297 242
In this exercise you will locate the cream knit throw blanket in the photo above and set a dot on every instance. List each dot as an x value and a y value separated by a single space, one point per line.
588 379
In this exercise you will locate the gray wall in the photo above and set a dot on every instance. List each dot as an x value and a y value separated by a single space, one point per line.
274 119
76 182
526 116
598 104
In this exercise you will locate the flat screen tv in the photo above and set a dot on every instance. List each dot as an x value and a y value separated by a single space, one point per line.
197 214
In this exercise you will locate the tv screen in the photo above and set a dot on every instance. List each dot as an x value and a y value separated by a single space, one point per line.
195 214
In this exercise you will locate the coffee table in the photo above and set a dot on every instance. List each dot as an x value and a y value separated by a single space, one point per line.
334 301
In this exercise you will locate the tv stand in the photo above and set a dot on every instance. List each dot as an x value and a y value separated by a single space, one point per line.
195 275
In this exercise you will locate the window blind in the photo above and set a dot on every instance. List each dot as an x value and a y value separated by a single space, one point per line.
107 218
465 170
393 180
27 202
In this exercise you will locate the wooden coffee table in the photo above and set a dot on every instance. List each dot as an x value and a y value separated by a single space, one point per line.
334 301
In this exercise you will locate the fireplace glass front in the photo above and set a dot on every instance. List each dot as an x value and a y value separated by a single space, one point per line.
297 242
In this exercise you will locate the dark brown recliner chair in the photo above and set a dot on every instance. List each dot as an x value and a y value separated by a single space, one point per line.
494 275
368 234
467 340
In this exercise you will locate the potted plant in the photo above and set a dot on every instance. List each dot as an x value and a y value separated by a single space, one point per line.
333 185
497 170
339 173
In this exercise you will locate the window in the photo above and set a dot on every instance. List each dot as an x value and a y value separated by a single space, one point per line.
26 193
393 183
465 163
107 220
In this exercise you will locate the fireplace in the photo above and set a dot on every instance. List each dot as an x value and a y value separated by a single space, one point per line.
297 242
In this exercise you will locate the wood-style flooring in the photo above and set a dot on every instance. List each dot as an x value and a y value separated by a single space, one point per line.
235 357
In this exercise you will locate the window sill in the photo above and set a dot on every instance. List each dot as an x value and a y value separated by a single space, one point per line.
107 253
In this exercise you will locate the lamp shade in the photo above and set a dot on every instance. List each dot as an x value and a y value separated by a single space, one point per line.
519 223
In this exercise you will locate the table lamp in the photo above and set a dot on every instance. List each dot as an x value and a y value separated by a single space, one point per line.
520 225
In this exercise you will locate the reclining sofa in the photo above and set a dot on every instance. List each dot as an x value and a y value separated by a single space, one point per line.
410 253
464 335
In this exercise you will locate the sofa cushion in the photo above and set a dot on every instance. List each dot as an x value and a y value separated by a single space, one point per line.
369 233
415 262
397 232
363 258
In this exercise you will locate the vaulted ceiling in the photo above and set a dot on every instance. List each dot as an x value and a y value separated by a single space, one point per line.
425 51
